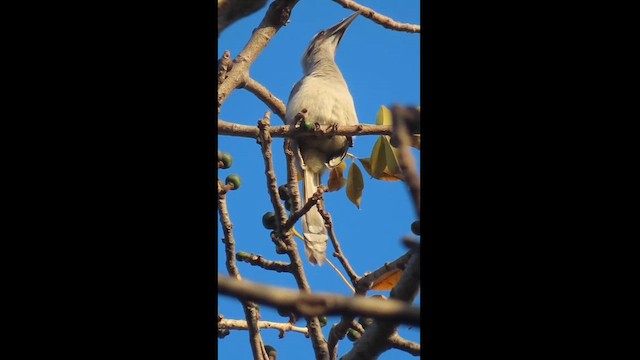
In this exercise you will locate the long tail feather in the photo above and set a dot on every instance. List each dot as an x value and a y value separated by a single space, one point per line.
313 224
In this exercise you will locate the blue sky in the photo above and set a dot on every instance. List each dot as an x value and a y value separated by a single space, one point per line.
381 67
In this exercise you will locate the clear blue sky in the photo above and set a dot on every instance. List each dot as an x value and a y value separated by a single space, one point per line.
381 67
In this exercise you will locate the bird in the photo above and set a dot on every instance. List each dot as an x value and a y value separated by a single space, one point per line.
324 97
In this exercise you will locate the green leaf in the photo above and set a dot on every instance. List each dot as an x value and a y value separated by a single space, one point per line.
384 116
355 184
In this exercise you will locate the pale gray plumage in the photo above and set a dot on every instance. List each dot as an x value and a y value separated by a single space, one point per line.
323 92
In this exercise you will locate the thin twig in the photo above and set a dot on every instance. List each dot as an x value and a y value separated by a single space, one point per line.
282 327
230 11
373 342
258 260
400 343
276 17
385 21
276 105
364 284
250 309
405 158
308 304
233 129
341 276
336 245
292 176
311 202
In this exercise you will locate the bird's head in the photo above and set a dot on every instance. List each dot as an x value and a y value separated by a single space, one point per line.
324 44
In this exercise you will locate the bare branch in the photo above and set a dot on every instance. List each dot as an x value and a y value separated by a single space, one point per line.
313 323
276 17
311 202
258 260
230 11
233 129
282 327
227 228
308 304
224 65
292 176
250 309
338 332
276 105
353 276
374 340
405 159
364 283
385 21
400 343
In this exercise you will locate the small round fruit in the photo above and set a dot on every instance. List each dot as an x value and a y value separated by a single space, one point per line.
415 227
269 220
283 190
227 160
234 180
323 321
271 351
365 322
288 204
353 335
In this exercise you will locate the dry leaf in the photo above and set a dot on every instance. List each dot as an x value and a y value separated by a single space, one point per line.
387 281
355 184
336 177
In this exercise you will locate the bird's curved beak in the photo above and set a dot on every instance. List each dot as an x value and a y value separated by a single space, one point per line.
338 30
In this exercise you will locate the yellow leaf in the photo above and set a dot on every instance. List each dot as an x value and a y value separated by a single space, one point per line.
391 160
336 177
387 281
384 116
366 164
355 184
378 158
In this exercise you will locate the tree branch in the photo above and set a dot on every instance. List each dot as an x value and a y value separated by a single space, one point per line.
224 65
405 160
230 11
276 105
313 323
364 284
385 21
308 304
292 176
311 202
250 309
258 260
276 17
282 327
400 343
374 340
353 276
233 129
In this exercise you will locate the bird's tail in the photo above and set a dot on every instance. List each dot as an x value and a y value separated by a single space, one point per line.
315 233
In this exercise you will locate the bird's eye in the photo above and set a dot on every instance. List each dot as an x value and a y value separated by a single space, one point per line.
321 33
